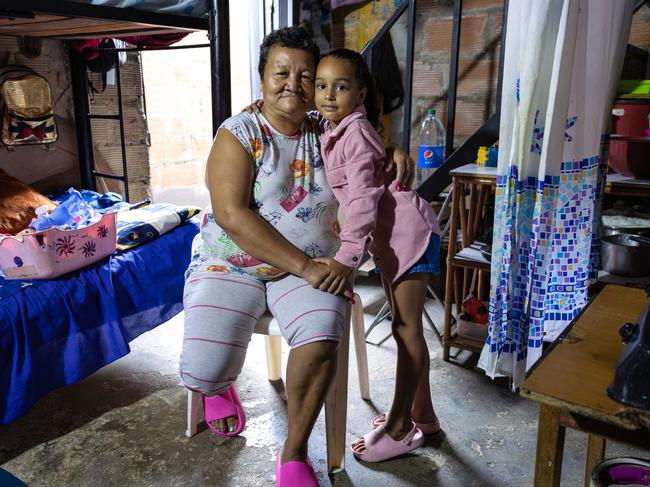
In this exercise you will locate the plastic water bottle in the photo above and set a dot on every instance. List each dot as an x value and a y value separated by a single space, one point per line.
42 220
431 153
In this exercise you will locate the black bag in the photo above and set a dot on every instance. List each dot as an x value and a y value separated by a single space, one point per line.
102 63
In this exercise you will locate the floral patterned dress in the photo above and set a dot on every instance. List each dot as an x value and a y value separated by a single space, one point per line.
290 192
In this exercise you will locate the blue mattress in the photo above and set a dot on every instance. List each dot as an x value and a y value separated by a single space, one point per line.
192 8
56 332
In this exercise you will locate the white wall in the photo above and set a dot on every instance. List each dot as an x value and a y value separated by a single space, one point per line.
177 87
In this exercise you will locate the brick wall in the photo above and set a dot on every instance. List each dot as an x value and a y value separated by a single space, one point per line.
635 67
640 31
479 53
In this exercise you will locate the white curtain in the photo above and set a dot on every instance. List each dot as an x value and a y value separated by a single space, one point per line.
563 59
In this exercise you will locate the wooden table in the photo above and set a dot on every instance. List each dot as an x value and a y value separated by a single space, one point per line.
570 383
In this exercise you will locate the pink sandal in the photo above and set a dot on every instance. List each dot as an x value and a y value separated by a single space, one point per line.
380 446
426 428
223 406
294 474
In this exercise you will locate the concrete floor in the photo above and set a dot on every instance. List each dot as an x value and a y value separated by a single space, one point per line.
125 425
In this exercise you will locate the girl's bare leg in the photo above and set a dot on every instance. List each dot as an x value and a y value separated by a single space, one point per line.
406 299
408 296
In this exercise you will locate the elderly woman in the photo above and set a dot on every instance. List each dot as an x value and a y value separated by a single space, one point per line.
272 214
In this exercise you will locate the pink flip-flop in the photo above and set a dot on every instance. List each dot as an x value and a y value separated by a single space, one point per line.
223 406
294 474
427 428
380 446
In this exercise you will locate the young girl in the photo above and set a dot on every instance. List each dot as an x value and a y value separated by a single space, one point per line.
398 228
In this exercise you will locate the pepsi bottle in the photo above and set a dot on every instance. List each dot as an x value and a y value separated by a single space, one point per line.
431 152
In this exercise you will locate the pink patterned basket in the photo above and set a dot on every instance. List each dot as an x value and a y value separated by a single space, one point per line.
50 253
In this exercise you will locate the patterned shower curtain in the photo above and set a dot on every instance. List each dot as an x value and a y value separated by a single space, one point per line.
563 59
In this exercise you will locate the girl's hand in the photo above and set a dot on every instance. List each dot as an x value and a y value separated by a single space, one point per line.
254 107
396 157
337 282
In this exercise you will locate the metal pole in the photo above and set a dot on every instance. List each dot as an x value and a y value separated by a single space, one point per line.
81 111
219 62
639 4
408 76
453 77
67 8
165 48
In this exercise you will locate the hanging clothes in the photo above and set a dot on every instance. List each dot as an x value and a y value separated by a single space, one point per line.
387 76
155 40
562 63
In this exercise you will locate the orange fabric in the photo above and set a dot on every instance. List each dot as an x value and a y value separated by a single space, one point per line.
18 203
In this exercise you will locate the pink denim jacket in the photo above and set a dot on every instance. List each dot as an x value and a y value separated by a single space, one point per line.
395 226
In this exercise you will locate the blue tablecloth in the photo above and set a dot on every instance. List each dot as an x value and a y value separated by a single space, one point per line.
56 332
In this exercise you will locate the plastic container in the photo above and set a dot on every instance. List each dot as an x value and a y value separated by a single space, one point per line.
629 156
621 471
431 152
630 117
629 145
469 329
53 252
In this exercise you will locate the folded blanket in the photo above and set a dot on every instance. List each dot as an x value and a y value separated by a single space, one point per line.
141 225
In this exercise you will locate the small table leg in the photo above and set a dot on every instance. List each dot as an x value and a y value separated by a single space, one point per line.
550 447
595 454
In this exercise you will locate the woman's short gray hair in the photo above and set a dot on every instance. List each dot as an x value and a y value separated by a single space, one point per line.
291 37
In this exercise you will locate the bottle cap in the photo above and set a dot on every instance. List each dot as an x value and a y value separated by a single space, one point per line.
41 210
431 111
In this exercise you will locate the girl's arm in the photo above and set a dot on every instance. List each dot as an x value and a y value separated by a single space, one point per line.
364 155
230 177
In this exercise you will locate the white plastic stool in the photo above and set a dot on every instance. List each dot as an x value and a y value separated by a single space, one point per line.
337 399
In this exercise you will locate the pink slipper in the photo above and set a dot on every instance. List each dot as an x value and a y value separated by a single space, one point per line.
294 474
380 446
426 428
222 406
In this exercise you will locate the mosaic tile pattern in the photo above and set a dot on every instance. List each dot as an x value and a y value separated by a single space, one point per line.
542 255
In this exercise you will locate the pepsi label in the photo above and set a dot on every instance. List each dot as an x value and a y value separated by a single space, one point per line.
430 156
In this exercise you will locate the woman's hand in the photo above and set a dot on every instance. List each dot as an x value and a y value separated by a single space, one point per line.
314 273
397 158
338 279
255 107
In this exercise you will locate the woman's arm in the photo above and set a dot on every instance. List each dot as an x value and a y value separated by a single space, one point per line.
402 164
399 164
230 177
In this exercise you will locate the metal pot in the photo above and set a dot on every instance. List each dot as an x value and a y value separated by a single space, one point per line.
611 230
622 255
